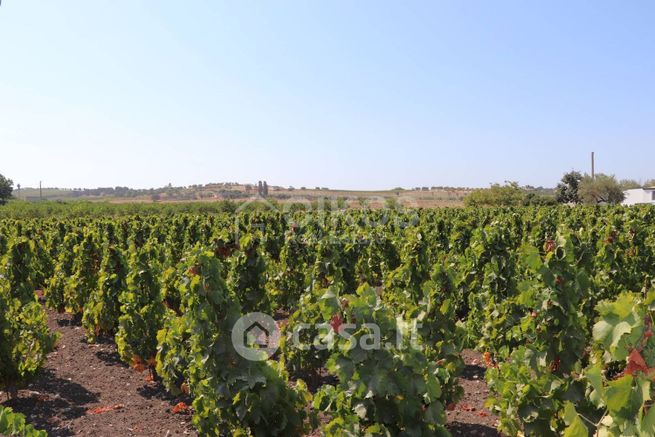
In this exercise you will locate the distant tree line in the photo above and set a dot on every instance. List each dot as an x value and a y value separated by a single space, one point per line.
509 194
575 188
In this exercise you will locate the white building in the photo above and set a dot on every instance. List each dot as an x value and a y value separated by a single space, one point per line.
639 195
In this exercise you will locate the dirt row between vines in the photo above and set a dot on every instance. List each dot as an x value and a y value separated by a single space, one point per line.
85 389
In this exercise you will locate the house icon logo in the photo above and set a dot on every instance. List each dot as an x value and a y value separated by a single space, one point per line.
255 336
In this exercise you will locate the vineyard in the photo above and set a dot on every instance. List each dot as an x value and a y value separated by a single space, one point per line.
559 300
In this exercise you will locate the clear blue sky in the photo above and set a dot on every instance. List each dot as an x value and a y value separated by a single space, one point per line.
352 94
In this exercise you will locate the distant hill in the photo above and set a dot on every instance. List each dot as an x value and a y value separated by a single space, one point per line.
418 196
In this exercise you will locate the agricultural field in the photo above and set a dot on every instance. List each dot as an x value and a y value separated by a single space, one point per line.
424 197
355 322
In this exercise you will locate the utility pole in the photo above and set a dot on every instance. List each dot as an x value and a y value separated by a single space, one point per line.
593 167
40 192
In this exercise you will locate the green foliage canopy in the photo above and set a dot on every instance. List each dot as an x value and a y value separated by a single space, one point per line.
600 189
567 189
6 187
628 184
510 194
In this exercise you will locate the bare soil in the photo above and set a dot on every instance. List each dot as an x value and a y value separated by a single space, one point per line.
470 417
84 389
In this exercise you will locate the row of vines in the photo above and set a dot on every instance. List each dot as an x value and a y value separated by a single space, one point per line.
560 301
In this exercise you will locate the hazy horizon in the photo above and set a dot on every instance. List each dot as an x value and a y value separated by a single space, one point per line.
355 96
